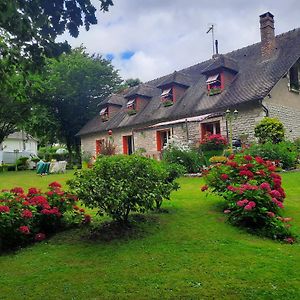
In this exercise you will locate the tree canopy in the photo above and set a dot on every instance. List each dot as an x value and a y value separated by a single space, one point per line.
72 87
28 28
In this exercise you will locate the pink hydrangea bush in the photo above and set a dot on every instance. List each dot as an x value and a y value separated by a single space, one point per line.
32 216
213 142
253 193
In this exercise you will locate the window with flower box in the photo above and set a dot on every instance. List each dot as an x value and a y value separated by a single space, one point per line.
210 128
167 97
104 114
214 84
131 107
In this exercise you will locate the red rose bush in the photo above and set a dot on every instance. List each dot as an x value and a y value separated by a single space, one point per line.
253 193
31 216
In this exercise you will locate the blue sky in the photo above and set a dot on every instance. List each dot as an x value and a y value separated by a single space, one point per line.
150 38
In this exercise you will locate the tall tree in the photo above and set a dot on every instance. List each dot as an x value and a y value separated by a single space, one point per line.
28 28
73 86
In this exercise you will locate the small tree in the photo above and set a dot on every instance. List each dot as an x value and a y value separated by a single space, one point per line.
119 184
269 129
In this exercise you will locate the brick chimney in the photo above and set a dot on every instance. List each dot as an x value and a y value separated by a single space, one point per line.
267 33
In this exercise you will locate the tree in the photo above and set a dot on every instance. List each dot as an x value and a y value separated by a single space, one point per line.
28 29
73 86
18 89
131 82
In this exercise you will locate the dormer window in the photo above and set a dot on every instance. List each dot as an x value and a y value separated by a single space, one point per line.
104 114
131 109
167 97
214 85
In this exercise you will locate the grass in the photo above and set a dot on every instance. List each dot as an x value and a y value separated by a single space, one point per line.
188 253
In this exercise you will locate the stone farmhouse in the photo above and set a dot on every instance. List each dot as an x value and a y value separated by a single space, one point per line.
259 80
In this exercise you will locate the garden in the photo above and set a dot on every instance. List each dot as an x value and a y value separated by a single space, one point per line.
134 227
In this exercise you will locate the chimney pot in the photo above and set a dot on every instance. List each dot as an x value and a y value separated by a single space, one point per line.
267 33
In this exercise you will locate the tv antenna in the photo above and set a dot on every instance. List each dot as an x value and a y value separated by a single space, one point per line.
212 30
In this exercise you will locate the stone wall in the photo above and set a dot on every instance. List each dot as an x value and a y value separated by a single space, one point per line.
145 140
285 105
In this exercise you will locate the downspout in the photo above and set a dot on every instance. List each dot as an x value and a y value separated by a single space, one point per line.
187 130
266 110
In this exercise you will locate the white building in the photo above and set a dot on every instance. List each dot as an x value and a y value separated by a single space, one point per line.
16 145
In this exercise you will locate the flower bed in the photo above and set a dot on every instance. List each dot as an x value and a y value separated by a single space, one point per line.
253 194
32 216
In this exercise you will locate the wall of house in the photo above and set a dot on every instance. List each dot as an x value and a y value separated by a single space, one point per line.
145 140
9 145
285 105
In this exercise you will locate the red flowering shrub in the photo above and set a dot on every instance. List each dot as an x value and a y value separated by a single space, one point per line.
213 142
33 216
253 193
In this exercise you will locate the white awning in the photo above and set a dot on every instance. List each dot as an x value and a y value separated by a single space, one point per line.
212 79
130 103
166 92
191 119
103 111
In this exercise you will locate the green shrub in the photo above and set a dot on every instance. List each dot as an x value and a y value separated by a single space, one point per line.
191 160
119 184
283 152
269 129
253 193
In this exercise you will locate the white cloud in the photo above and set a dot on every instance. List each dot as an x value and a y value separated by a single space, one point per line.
171 34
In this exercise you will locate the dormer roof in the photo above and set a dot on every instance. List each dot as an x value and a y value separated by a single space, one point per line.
143 90
178 78
116 100
221 62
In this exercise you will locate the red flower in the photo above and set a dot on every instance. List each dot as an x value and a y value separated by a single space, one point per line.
277 202
248 157
204 188
27 214
55 184
246 173
232 188
259 160
289 240
270 214
87 219
76 207
232 164
231 156
242 203
275 194
24 229
250 205
265 186
40 236
17 190
33 191
224 176
82 210
4 209
272 168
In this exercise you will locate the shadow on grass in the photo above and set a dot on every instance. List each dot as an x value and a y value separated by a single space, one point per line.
137 227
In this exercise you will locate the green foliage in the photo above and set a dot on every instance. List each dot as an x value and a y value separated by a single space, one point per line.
191 160
253 194
31 27
28 217
269 129
283 152
70 98
117 185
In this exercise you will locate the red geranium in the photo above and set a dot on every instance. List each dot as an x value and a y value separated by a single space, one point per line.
4 209
17 190
27 214
24 229
55 184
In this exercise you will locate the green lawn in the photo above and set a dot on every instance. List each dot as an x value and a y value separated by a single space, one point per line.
188 253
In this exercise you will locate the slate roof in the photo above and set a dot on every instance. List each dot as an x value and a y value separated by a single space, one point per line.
179 78
141 90
113 99
224 62
254 80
